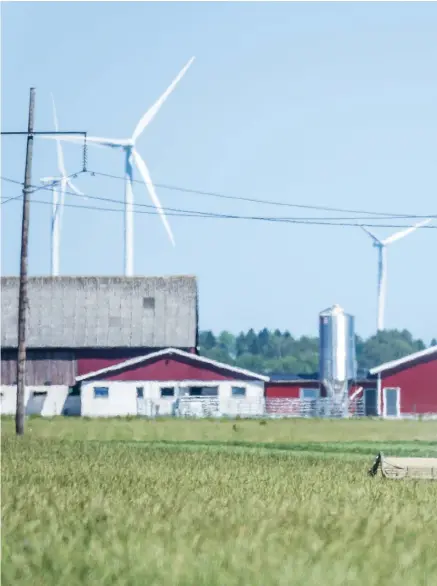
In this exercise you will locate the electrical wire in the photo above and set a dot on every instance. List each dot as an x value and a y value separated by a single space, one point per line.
263 201
195 214
48 186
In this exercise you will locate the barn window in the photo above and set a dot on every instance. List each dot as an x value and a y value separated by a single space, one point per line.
238 391
149 302
39 393
140 392
204 391
309 394
101 392
167 391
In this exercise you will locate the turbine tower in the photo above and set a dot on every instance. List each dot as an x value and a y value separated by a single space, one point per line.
131 156
381 246
58 206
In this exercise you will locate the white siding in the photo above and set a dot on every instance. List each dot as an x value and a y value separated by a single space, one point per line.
122 397
48 405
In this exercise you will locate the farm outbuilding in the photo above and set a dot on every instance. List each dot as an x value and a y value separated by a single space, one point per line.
171 382
407 386
76 325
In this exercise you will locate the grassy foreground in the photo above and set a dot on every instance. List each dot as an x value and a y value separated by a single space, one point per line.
108 502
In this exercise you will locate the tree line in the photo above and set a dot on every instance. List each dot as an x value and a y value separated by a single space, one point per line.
277 352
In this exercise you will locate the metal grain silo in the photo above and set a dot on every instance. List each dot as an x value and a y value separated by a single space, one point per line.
337 360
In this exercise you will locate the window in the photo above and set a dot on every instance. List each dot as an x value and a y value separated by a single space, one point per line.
101 392
140 392
39 393
204 391
309 394
238 391
148 302
167 391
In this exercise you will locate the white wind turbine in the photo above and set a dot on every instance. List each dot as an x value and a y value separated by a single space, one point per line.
381 245
131 156
58 206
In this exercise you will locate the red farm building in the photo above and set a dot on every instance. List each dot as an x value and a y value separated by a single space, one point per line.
280 389
408 386
76 325
170 381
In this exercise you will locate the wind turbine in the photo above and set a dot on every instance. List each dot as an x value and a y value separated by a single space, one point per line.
381 245
58 206
131 156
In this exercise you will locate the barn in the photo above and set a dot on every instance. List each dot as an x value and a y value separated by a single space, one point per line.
77 325
303 396
407 386
171 382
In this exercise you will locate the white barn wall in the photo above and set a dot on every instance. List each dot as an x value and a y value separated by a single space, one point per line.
49 406
122 397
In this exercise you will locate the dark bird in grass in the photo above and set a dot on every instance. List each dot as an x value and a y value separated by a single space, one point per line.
234 427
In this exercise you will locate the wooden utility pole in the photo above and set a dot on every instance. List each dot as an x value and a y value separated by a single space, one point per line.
22 296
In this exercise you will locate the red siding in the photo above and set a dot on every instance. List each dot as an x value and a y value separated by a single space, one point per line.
90 360
289 390
418 384
177 369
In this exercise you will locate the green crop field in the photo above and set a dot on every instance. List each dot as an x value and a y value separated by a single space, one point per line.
214 503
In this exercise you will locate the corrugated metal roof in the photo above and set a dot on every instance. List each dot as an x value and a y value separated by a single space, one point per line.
103 312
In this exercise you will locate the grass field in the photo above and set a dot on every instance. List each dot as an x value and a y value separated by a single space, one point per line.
214 503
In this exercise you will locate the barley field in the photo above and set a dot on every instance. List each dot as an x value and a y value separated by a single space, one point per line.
214 503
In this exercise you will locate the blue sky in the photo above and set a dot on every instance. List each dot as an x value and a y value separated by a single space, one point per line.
322 104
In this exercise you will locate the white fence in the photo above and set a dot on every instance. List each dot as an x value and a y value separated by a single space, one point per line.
262 407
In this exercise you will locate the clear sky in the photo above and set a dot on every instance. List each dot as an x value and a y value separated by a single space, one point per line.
306 103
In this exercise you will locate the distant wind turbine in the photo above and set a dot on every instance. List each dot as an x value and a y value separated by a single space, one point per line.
381 245
58 206
131 156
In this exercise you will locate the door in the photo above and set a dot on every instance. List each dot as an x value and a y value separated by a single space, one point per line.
391 402
35 403
309 402
371 403
142 410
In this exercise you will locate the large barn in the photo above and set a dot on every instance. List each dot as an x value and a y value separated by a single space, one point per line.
81 324
408 386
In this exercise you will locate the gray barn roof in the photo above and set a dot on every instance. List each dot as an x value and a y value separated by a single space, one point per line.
103 312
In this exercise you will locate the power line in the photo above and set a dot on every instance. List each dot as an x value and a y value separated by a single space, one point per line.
48 186
212 215
263 201
195 213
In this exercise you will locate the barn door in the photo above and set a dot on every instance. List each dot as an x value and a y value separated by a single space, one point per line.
370 402
391 402
35 403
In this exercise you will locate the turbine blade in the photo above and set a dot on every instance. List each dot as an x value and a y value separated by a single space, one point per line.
372 236
153 110
75 189
404 233
61 162
142 168
61 203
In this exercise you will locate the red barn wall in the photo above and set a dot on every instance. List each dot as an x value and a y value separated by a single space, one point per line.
168 369
418 384
288 390
89 360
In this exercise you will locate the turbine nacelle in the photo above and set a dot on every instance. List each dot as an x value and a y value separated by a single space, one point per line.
382 269
134 158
